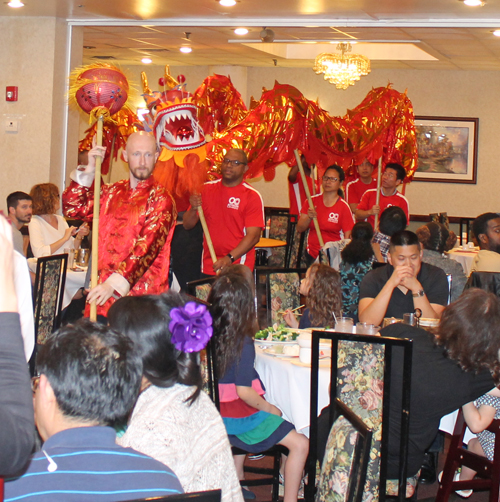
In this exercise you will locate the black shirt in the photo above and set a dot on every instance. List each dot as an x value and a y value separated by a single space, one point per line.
432 279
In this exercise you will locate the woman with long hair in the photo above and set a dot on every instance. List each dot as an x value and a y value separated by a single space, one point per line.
253 424
357 261
49 232
321 287
173 420
334 216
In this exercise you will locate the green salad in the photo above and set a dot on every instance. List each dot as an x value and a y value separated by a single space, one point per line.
277 333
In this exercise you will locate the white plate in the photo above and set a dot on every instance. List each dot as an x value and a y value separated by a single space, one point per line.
266 343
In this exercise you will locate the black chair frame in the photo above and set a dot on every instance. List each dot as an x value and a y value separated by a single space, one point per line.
191 286
390 344
208 496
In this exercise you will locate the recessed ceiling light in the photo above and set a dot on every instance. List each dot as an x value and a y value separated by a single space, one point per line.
496 33
15 4
146 60
240 31
227 3
473 3
186 50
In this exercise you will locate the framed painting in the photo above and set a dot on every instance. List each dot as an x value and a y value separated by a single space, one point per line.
447 149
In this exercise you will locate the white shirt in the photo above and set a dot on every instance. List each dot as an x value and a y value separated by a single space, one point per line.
43 234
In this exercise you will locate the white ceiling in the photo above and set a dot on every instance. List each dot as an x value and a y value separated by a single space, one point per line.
450 34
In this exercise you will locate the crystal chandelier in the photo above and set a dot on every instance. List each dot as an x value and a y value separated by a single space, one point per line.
342 69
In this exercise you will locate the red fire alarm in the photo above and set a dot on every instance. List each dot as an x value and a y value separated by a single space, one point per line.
11 93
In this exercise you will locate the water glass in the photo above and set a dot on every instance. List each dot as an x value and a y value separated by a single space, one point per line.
344 325
364 328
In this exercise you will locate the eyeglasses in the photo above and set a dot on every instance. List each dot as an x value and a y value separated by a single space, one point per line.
234 163
34 383
330 178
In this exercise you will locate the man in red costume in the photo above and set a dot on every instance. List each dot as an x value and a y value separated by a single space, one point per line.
355 190
234 212
135 220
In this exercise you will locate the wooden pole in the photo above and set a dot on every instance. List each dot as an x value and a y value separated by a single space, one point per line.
95 220
308 194
204 225
379 181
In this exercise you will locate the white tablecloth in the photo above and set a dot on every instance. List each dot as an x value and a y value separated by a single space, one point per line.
74 281
288 387
464 257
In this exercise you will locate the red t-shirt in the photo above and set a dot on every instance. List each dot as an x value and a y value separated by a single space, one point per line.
229 211
297 193
332 221
354 190
370 197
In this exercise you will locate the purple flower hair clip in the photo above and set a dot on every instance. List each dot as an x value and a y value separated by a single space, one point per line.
191 327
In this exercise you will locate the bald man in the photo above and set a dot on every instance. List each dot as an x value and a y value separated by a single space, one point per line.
136 218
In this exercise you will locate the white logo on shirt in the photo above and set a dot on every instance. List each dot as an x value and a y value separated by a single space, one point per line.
333 217
234 203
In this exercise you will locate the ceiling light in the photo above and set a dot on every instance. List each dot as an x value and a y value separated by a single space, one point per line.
227 3
240 31
342 69
496 33
186 50
15 4
473 3
146 60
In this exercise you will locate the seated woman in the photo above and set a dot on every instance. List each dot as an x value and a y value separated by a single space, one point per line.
436 239
253 424
49 232
357 261
321 287
333 213
173 420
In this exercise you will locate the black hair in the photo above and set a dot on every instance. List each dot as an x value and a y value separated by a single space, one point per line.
433 236
233 314
14 198
392 220
405 238
94 372
339 170
360 248
480 224
145 319
400 170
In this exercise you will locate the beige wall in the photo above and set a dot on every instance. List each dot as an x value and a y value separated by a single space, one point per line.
37 65
32 58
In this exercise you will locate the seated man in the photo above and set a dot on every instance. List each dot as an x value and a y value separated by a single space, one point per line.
486 229
403 285
89 380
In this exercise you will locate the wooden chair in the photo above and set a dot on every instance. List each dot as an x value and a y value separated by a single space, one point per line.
200 288
277 289
488 472
465 223
207 496
489 281
48 294
367 397
343 471
281 227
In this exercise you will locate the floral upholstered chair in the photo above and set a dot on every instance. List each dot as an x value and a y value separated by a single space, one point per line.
48 294
361 372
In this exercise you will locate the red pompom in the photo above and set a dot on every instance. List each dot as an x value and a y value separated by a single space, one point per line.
181 79
161 81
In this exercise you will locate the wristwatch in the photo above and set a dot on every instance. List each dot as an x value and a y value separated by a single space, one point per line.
231 257
418 294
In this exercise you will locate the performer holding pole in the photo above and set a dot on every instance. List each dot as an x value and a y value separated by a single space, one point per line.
234 214
379 181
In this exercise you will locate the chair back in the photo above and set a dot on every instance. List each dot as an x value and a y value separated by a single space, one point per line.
488 471
489 281
345 462
279 288
200 288
360 377
207 496
48 295
281 227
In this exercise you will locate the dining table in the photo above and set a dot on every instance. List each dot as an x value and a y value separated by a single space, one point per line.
465 256
287 383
